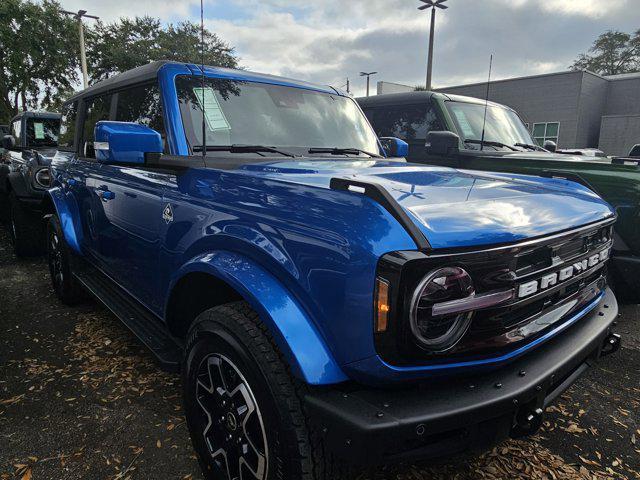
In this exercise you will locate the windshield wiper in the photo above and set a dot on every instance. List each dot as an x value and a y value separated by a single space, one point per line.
528 145
343 151
237 148
490 143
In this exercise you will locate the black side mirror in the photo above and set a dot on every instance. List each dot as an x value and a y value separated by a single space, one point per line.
549 145
8 142
442 143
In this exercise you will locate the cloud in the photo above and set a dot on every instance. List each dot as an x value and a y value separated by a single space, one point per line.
327 41
112 10
588 8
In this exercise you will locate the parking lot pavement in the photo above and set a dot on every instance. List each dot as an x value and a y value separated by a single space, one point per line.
80 398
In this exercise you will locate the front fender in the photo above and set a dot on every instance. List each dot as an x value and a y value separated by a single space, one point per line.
293 331
18 184
69 215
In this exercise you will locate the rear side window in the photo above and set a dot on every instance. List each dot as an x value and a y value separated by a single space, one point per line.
96 109
68 126
141 104
408 122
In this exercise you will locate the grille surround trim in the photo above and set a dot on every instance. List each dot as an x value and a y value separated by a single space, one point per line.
492 269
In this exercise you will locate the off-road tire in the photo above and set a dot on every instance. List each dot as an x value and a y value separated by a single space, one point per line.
25 229
295 451
66 287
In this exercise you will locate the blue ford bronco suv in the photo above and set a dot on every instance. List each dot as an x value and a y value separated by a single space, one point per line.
328 306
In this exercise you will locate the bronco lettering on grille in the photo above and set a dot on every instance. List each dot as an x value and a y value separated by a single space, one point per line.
562 275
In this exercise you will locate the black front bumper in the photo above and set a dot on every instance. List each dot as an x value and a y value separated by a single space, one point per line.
33 200
366 425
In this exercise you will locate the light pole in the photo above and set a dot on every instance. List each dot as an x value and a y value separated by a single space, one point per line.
83 54
433 4
368 75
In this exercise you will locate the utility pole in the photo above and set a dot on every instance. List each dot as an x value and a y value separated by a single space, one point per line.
431 4
348 85
83 54
368 75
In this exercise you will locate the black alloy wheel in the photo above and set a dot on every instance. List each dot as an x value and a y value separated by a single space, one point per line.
232 423
56 259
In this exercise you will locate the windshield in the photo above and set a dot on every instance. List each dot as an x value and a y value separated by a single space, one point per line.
503 125
42 132
248 113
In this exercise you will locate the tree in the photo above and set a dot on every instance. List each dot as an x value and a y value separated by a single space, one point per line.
129 43
38 54
612 53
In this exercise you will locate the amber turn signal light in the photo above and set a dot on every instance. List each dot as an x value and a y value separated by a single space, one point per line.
382 305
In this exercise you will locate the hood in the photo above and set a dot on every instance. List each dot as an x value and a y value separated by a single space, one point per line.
552 156
42 155
455 208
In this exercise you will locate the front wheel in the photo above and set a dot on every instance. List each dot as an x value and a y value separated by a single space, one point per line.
65 285
244 409
25 229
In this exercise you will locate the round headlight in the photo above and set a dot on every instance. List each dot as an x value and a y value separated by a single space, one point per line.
440 333
43 178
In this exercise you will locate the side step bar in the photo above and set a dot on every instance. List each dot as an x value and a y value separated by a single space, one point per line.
146 326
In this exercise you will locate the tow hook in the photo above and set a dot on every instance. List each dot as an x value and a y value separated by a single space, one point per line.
611 344
527 423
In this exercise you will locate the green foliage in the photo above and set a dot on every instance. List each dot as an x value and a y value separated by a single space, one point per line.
612 53
38 52
129 43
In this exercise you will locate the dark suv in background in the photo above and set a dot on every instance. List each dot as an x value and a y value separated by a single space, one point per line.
467 133
4 130
29 145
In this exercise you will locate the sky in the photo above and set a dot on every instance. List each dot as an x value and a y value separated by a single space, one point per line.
328 41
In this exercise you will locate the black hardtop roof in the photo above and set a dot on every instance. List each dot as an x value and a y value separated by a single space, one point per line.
36 115
135 75
407 98
150 71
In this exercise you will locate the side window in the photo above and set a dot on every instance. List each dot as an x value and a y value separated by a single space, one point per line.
68 126
142 104
16 131
411 123
546 131
95 109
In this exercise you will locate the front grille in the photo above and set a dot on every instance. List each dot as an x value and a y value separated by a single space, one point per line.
573 248
505 328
